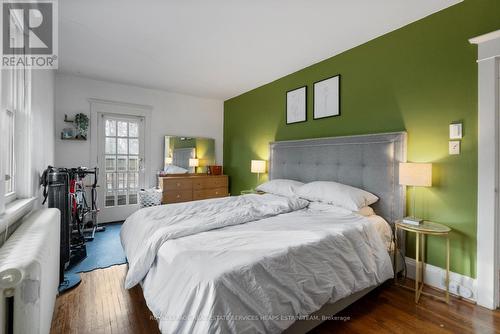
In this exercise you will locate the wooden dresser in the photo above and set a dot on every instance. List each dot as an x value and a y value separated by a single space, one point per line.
185 188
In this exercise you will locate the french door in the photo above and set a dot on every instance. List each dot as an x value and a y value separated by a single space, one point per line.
121 165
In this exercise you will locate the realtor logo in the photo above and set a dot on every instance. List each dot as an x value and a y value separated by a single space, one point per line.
29 34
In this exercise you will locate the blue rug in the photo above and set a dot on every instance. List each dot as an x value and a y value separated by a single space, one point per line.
102 252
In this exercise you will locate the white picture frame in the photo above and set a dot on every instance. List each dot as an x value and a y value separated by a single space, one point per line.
326 98
296 105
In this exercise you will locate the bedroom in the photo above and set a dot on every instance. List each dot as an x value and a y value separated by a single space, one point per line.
286 152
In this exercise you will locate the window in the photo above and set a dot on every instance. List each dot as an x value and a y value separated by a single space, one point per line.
9 152
15 106
15 142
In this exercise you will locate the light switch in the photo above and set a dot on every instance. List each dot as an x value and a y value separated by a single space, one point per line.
456 131
454 147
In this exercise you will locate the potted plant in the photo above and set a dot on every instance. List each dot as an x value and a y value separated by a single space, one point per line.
82 125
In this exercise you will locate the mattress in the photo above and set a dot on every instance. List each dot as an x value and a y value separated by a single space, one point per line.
261 276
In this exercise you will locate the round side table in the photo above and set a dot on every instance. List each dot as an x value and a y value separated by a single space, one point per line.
421 232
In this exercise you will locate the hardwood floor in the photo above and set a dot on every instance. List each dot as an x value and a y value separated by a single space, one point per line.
100 304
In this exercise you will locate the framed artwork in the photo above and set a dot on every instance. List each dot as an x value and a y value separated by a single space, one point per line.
326 98
296 105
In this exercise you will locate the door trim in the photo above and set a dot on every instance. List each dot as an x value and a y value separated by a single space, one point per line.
488 232
98 106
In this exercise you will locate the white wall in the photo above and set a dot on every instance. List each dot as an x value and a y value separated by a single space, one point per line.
173 114
42 112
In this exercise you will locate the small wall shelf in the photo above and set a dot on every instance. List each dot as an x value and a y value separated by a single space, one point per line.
73 138
73 129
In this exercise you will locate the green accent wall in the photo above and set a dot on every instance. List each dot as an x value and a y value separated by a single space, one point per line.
419 78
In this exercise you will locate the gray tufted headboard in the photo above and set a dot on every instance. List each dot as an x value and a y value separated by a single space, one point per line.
369 162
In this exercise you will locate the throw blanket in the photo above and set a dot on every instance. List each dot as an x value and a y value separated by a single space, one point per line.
144 232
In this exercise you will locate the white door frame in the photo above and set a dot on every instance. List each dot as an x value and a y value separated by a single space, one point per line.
488 232
98 106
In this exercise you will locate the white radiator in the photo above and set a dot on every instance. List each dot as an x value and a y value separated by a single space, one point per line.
29 274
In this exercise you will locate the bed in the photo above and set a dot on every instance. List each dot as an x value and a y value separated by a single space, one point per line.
266 263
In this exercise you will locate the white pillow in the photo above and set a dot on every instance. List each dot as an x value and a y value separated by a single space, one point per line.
337 194
173 169
280 187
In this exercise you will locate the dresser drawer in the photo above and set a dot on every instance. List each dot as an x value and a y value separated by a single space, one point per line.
210 182
177 196
177 184
218 192
209 193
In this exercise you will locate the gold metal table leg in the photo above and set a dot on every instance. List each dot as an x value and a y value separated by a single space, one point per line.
447 269
422 263
417 265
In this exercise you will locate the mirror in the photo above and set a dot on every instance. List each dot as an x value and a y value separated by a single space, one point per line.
188 154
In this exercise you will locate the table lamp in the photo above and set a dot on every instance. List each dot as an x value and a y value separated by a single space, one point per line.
415 175
193 162
258 166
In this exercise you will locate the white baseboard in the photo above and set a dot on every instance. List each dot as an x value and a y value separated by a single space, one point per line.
460 285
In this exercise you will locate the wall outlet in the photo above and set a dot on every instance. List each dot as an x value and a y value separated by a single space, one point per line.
457 289
454 147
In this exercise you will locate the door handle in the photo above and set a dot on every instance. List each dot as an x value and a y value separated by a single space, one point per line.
141 164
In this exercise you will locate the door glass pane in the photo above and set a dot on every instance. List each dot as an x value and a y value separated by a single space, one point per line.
122 163
122 198
110 146
110 181
134 146
110 128
133 164
122 129
132 180
132 198
110 163
121 181
110 198
133 129
122 145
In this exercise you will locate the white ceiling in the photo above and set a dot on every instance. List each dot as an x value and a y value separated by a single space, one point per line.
219 48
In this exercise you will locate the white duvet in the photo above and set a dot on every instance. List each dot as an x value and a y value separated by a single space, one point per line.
250 275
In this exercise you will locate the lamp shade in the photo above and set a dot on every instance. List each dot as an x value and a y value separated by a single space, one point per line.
415 174
168 161
258 166
194 162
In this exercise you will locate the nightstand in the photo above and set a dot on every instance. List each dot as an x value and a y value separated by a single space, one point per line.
421 232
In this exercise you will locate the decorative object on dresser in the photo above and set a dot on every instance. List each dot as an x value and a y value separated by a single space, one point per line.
415 175
193 187
326 98
214 170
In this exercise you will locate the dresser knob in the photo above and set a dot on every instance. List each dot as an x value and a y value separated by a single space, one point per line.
178 184
178 196
217 193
